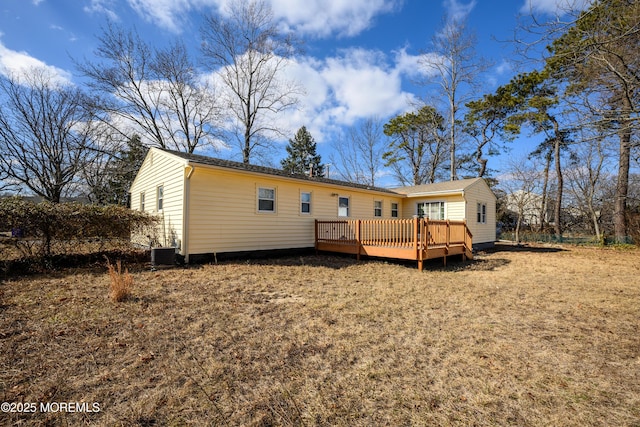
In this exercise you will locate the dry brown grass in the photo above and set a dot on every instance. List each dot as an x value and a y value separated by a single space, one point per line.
120 282
520 337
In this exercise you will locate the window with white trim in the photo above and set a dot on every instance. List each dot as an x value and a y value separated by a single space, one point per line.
305 202
482 213
160 197
377 208
266 199
142 202
394 210
431 210
343 206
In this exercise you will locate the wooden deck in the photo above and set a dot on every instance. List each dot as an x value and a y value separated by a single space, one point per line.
414 239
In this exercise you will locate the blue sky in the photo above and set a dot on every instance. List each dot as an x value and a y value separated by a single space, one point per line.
360 57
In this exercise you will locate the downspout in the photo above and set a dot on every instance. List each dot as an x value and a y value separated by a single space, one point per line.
184 250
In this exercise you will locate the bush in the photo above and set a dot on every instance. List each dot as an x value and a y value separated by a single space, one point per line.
44 229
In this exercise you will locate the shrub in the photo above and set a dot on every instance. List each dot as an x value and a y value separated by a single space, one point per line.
44 229
120 283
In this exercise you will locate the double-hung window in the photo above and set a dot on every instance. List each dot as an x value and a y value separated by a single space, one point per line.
377 208
142 202
394 210
343 206
482 213
305 202
266 199
160 197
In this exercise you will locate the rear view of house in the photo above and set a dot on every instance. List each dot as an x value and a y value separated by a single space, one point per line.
211 206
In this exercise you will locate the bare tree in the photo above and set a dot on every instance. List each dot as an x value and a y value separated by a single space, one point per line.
249 53
45 133
358 157
157 93
585 178
521 184
456 67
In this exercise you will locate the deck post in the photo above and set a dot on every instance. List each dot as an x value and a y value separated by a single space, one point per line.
358 226
316 236
416 224
420 237
447 242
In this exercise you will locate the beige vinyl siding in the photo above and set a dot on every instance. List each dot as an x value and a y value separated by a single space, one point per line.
479 192
453 206
224 216
161 169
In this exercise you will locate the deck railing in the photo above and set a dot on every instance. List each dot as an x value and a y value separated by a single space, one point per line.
394 238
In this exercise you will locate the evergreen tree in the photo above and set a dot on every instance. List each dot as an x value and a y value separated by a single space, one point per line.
303 158
110 183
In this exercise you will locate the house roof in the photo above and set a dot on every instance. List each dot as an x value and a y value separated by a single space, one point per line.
228 164
457 186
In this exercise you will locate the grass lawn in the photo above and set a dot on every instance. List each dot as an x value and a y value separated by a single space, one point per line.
537 336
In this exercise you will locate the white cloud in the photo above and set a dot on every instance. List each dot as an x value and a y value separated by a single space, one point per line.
504 67
343 89
457 11
168 14
315 17
20 63
325 17
554 7
102 6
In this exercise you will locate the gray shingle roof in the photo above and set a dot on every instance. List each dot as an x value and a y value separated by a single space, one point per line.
438 187
228 164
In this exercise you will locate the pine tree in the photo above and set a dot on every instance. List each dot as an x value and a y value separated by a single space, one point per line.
303 158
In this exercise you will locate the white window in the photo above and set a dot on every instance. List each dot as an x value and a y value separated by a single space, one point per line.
431 210
305 202
377 208
394 210
160 197
343 206
142 202
266 200
482 213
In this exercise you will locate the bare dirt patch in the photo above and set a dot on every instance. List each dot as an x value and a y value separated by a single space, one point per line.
522 337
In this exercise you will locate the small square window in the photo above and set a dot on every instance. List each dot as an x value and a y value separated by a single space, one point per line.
266 200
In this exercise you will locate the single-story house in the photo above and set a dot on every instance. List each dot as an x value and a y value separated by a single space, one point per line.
212 206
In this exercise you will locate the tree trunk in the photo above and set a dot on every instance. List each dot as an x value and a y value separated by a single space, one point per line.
453 142
622 185
558 207
596 226
545 186
517 231
246 151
